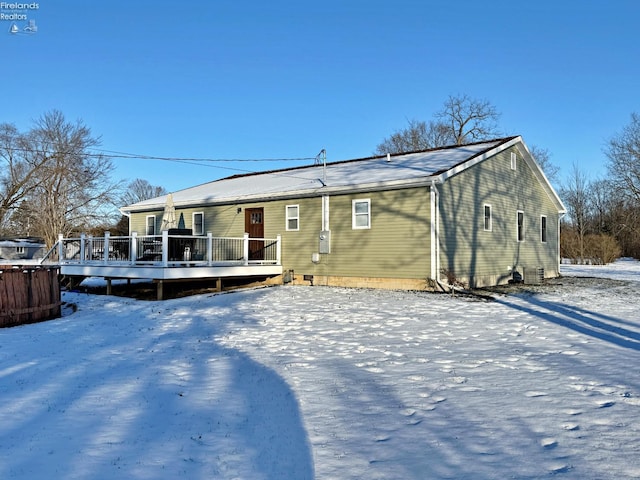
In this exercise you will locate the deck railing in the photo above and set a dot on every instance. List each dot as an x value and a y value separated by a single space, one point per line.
165 250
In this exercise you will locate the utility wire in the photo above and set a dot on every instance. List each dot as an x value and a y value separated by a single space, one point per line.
202 162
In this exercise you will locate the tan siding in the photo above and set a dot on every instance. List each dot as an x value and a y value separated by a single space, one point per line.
138 222
397 244
469 251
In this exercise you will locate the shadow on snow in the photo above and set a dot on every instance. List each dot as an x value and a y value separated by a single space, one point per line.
597 325
155 396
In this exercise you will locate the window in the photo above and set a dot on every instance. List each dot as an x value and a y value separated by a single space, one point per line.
293 217
20 250
543 228
514 161
198 223
361 214
151 225
487 218
520 226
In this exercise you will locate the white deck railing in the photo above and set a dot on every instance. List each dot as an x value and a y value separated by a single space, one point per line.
165 250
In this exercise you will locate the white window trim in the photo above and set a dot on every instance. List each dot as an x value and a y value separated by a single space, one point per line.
514 161
296 218
354 225
544 232
146 225
193 223
484 223
523 226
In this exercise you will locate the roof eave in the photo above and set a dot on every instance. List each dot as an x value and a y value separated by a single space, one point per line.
317 192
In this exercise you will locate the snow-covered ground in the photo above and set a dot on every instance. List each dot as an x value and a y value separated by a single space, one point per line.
328 383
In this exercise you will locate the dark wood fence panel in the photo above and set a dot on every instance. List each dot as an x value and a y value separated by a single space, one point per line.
28 295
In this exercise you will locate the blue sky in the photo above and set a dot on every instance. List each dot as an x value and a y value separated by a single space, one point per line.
284 79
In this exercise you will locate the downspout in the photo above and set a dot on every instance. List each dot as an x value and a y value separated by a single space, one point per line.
128 215
559 252
435 231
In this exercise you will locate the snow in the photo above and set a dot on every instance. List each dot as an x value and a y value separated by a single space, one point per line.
329 383
309 180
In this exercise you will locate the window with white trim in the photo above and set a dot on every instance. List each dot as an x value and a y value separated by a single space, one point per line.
293 218
361 213
150 228
487 218
520 226
20 250
543 228
198 223
514 161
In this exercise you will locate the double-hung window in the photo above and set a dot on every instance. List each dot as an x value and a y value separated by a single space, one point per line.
361 214
151 225
520 226
487 218
293 217
198 223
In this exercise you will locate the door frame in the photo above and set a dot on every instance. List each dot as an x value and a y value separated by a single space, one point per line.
254 226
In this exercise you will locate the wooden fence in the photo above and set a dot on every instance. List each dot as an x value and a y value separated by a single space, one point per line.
28 294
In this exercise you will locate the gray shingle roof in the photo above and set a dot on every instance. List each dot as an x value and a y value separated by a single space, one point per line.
373 173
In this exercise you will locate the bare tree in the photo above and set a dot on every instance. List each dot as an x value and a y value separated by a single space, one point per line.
543 158
576 196
469 120
416 136
461 120
69 187
623 151
139 190
18 172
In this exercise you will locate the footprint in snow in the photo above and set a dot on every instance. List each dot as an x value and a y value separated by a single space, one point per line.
606 403
549 443
534 394
573 411
571 426
559 468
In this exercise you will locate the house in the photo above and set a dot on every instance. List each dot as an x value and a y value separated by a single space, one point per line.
21 248
477 215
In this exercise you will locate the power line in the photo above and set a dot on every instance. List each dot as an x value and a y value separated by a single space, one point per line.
115 154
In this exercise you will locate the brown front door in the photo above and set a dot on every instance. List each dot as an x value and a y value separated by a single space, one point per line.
254 226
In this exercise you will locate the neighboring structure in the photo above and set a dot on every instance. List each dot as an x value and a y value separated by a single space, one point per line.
477 215
21 248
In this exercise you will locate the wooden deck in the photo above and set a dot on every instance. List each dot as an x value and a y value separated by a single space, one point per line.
165 257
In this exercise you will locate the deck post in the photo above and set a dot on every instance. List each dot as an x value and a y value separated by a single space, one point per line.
165 248
105 250
209 248
60 247
245 248
134 247
83 253
278 249
160 290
